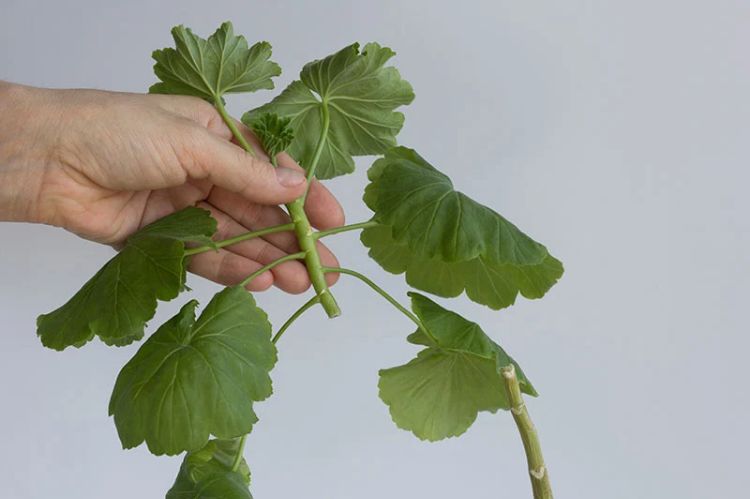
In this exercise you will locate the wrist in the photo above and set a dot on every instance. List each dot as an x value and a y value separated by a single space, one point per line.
24 153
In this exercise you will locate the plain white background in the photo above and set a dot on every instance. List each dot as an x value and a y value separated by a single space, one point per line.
614 132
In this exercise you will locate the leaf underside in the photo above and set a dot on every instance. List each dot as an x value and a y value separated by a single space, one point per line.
121 297
439 393
207 474
360 94
193 379
447 243
210 68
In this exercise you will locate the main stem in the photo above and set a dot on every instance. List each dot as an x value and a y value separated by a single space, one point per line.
538 473
307 244
302 227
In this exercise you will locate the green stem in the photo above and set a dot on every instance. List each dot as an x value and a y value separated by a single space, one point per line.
344 228
293 256
307 244
385 295
240 451
538 473
296 315
302 228
240 238
326 124
233 127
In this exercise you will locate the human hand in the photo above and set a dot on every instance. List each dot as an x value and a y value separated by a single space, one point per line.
104 164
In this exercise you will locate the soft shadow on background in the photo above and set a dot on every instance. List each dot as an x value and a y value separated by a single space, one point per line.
614 132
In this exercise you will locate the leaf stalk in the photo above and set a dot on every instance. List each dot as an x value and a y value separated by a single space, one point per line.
279 261
296 315
385 295
232 124
240 452
344 228
238 239
326 124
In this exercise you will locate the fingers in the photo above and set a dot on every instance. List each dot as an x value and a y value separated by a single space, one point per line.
322 208
253 175
205 155
291 277
194 109
204 152
229 269
328 259
255 216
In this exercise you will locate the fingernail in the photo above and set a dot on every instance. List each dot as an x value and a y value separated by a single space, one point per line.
288 177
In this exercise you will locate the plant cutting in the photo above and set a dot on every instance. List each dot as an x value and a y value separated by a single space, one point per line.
192 385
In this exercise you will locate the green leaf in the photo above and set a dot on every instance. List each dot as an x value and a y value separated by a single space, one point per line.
274 132
357 93
208 473
494 285
211 68
117 302
192 379
445 241
439 393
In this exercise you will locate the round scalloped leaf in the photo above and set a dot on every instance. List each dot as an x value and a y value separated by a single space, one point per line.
121 297
357 93
193 379
494 285
445 241
211 68
438 394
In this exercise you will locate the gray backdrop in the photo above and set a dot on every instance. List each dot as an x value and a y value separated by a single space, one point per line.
614 132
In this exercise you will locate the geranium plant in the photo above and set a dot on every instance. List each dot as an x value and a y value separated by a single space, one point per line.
191 387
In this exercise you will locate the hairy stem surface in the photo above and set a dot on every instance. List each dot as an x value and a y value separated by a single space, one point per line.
538 473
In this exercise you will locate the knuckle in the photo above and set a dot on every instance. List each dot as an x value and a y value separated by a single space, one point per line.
251 213
228 269
189 152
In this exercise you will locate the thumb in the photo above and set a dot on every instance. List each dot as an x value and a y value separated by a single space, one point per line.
228 166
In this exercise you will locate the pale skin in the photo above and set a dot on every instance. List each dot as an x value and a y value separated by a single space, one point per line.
104 164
